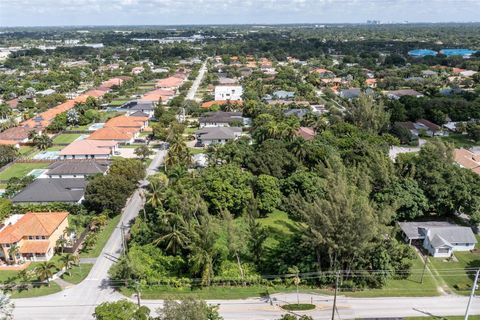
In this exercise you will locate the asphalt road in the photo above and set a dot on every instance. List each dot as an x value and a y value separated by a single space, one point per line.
196 83
78 302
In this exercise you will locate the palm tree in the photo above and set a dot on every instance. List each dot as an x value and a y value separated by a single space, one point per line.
98 222
155 195
174 237
44 271
202 249
299 149
13 253
42 141
178 153
62 242
68 261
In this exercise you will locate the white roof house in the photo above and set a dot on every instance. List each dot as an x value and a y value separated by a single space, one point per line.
439 238
228 92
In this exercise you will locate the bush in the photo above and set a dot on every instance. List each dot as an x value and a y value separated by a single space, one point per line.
298 307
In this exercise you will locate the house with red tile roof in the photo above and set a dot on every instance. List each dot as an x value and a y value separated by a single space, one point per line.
306 133
467 159
112 83
120 135
174 82
12 103
17 134
89 149
95 93
35 234
324 73
154 96
139 123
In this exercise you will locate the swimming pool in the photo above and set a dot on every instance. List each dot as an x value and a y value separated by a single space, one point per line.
457 52
36 172
96 126
47 155
419 53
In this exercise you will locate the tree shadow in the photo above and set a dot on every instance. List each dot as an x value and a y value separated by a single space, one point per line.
471 268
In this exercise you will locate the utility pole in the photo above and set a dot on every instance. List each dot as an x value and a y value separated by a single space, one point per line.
472 293
122 230
424 268
138 293
335 296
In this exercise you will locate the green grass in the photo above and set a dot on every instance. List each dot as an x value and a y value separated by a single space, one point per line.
20 170
454 273
26 150
224 292
298 307
66 138
107 115
194 151
279 226
78 273
36 291
117 103
55 148
459 140
410 287
190 130
102 239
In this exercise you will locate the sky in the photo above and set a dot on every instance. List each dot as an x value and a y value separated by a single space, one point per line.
178 12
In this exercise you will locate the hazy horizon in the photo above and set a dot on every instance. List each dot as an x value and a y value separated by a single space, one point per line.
35 13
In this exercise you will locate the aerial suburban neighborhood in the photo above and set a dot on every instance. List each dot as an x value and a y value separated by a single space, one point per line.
270 172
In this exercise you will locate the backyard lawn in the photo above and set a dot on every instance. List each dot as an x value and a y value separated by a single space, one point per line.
65 138
20 170
459 140
78 273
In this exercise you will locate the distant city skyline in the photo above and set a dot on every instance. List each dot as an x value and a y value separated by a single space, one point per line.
178 12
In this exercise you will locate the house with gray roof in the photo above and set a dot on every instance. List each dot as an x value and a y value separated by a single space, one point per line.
66 190
76 168
216 135
283 95
439 238
222 119
146 107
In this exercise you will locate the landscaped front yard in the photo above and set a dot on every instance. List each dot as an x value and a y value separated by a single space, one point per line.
410 287
78 273
20 170
459 274
102 239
